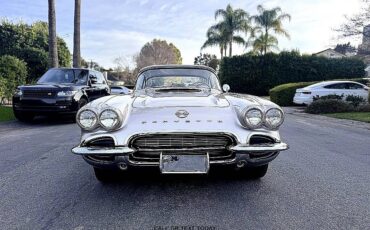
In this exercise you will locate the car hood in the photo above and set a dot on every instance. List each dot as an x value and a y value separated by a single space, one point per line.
216 100
53 87
180 100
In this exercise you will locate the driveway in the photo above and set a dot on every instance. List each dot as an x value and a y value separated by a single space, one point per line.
321 182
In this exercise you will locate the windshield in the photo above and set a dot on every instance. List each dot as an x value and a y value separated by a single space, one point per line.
177 78
64 76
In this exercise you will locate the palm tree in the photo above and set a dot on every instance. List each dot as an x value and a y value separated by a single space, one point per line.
268 20
232 22
53 49
224 33
216 38
76 35
264 43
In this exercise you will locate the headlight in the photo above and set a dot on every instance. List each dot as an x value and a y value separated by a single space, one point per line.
66 93
274 118
254 118
110 119
18 92
87 119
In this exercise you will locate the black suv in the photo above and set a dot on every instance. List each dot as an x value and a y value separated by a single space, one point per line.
59 91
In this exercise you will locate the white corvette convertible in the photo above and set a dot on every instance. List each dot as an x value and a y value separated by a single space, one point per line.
179 120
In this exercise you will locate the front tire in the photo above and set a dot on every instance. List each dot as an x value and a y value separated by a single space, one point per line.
253 173
104 175
258 172
24 116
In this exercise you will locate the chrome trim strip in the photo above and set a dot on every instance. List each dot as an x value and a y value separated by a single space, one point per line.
271 148
101 151
126 150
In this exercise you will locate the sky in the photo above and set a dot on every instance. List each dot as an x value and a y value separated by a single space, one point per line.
119 28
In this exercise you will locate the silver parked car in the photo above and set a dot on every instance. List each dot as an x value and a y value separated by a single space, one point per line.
120 90
179 120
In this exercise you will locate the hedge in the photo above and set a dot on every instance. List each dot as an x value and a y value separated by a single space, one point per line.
257 74
283 94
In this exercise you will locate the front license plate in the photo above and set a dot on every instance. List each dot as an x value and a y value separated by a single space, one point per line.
183 164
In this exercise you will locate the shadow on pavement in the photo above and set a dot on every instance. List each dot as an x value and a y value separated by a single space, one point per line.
49 120
152 176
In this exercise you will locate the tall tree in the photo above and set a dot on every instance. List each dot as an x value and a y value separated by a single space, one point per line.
354 25
225 32
53 48
76 35
267 20
345 48
265 43
158 52
216 37
207 60
232 22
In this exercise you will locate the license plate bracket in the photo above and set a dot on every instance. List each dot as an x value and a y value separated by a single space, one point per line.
184 164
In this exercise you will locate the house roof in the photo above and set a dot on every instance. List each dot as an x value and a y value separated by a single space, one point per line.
329 49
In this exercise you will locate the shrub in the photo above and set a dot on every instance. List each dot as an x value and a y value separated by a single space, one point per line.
13 72
283 94
330 96
257 74
355 100
363 108
329 106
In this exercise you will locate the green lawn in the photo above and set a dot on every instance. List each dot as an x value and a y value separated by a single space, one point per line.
6 113
357 116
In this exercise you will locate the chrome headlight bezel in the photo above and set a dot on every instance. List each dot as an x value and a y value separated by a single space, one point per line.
119 117
268 124
247 121
94 126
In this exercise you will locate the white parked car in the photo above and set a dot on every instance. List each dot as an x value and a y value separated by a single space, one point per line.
304 96
179 128
120 90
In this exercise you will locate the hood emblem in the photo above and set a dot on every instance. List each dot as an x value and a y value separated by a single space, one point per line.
182 113
49 94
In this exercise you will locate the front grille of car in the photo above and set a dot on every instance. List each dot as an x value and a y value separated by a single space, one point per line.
39 93
176 141
149 147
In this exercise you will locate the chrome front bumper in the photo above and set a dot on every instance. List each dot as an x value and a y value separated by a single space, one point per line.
261 155
126 150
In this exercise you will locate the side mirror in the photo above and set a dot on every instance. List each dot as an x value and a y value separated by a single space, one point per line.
226 88
93 80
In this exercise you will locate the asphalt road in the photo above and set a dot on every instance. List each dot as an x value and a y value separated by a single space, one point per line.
322 182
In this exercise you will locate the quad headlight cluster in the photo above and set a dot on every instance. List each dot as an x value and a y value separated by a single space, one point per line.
255 118
108 118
